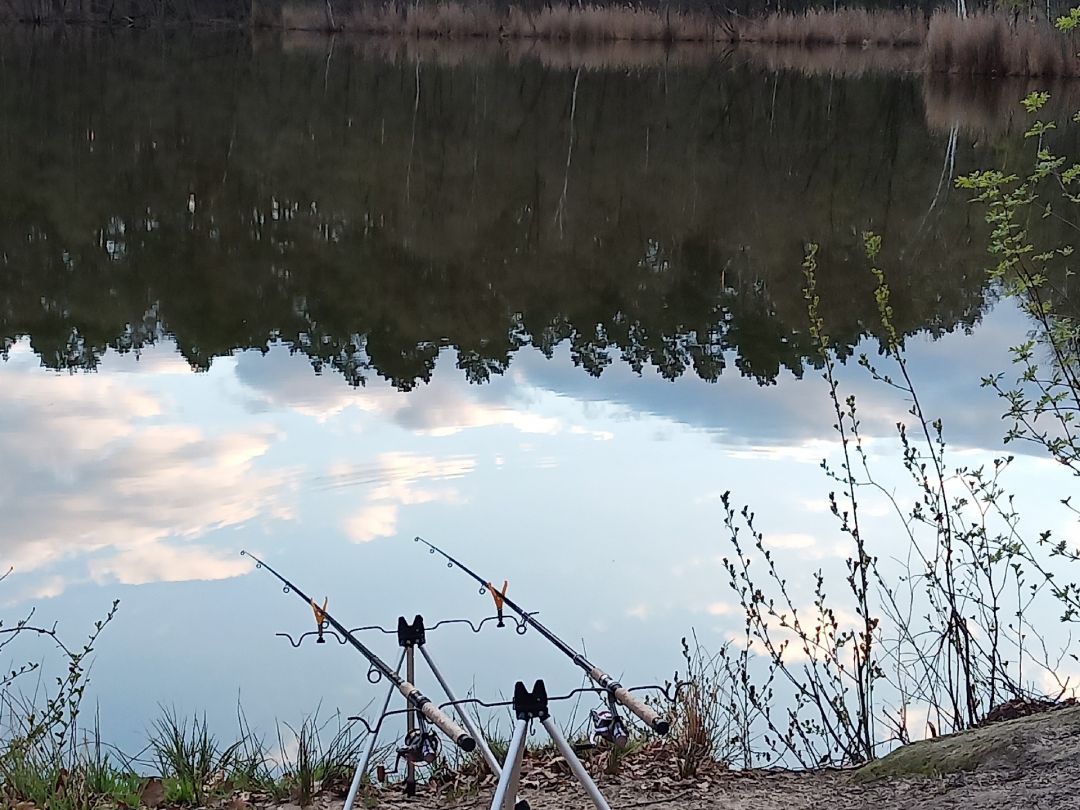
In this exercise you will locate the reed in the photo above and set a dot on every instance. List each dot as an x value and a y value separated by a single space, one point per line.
980 108
611 23
833 60
987 44
984 43
853 27
453 19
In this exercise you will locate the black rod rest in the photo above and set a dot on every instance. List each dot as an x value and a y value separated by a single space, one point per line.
531 705
411 635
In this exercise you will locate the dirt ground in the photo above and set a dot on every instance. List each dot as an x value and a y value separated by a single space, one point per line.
1032 763
798 791
997 790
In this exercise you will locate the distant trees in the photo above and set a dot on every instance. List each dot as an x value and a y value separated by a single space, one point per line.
675 250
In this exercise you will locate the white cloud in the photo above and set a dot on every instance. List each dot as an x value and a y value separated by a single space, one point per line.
372 522
816 505
95 465
398 478
817 645
790 542
721 609
158 562
811 451
40 587
598 435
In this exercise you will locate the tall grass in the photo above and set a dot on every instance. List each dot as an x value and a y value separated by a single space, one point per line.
190 756
42 759
321 755
704 723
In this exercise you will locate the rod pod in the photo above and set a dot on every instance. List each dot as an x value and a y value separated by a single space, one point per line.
411 637
414 696
414 636
616 691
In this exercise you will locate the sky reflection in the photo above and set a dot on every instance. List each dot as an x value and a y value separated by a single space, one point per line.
598 498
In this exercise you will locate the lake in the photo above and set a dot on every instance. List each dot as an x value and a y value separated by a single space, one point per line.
542 306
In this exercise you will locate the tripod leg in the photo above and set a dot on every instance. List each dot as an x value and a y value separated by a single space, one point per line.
575 765
470 726
511 774
365 760
410 676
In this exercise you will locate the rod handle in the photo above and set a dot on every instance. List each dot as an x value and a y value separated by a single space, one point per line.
437 718
643 712
629 702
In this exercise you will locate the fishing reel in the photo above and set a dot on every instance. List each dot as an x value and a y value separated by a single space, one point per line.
420 747
609 728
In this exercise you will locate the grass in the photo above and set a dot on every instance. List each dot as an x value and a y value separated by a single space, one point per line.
29 774
702 725
191 757
325 755
194 767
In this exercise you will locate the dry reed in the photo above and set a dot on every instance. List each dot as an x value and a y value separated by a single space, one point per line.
589 56
454 19
987 44
836 61
980 108
843 27
981 44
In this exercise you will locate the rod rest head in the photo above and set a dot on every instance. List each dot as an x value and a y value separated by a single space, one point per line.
531 705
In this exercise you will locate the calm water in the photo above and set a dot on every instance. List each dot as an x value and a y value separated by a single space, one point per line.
313 298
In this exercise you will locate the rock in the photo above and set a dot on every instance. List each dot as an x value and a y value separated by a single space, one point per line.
1038 739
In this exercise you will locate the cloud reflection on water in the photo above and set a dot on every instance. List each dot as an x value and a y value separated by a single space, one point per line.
101 465
606 490
99 472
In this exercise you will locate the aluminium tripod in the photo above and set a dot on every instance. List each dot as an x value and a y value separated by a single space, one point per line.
412 637
530 706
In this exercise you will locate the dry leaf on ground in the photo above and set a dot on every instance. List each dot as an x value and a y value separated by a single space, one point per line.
152 792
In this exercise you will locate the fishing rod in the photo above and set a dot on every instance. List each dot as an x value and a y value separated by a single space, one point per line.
414 696
615 690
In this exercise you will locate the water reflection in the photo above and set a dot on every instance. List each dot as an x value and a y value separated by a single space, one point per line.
255 211
597 497
369 212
